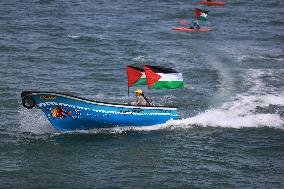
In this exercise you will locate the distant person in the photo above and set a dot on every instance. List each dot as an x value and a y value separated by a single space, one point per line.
141 100
190 26
196 25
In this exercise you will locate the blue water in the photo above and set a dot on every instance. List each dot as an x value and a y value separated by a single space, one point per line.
231 128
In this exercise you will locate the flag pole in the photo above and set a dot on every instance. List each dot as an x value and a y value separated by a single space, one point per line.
127 81
128 92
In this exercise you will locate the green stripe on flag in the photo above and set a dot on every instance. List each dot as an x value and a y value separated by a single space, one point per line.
202 18
167 85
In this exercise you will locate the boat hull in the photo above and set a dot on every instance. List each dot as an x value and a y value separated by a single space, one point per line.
68 112
213 3
202 29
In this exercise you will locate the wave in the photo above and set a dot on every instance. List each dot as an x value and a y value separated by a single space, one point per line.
241 113
73 36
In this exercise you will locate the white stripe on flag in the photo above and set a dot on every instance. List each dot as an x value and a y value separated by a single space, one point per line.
143 75
170 77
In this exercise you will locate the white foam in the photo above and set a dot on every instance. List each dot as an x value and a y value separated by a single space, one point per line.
73 36
230 119
34 121
114 130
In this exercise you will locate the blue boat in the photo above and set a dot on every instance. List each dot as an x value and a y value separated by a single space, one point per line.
68 112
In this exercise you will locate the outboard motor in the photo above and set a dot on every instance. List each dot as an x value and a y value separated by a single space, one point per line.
27 100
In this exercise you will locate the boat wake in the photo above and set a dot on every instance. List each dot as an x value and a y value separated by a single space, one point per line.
247 111
245 98
259 106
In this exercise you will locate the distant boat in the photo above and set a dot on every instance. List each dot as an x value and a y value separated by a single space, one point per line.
214 3
202 29
67 112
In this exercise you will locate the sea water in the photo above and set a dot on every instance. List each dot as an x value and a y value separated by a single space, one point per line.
231 128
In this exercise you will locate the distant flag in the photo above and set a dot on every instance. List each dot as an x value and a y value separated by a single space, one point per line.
201 14
136 76
162 78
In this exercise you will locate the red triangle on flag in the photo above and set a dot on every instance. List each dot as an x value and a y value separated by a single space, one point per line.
133 75
151 76
198 12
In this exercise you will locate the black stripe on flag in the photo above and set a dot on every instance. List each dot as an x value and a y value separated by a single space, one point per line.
158 69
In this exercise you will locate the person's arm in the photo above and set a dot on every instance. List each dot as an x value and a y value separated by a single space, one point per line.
138 101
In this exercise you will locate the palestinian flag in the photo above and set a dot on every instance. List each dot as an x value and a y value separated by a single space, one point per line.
136 76
200 14
163 78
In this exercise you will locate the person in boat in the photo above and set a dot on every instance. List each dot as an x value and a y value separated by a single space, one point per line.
195 25
190 26
141 100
